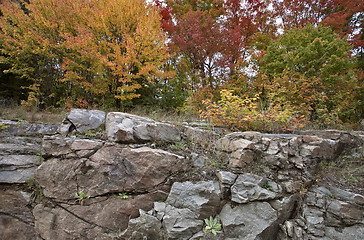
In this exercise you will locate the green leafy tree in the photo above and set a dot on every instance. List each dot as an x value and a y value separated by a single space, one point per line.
311 69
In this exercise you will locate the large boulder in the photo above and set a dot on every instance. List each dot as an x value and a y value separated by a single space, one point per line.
110 169
128 128
57 223
82 120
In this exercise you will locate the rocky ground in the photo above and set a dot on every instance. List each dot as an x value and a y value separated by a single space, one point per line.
121 176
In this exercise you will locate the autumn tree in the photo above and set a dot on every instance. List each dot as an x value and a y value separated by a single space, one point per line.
196 42
345 17
243 20
198 38
311 69
89 49
211 7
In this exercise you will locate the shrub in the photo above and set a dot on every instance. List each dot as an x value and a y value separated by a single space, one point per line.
247 113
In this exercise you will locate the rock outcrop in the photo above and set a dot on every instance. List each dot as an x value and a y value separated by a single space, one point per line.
82 120
128 128
129 185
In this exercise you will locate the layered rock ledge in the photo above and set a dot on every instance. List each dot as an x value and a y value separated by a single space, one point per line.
121 176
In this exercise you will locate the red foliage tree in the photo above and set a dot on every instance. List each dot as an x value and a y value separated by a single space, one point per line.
198 37
345 17
243 20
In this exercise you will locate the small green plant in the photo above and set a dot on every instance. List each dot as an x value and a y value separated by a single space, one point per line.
123 196
81 196
90 134
333 196
94 133
267 186
212 225
179 146
35 189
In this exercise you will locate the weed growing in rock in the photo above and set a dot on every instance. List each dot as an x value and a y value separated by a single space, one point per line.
179 147
267 186
36 191
123 196
81 196
212 225
333 196
95 133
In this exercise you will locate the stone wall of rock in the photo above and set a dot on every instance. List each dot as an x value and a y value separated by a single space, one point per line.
57 182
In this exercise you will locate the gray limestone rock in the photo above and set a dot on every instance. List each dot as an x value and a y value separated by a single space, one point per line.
181 223
82 120
25 128
128 128
246 221
19 157
345 212
249 187
226 180
202 198
144 227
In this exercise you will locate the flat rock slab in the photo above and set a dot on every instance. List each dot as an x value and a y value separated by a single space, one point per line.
19 157
249 187
24 128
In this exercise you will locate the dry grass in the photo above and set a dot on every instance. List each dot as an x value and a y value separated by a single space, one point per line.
18 113
164 116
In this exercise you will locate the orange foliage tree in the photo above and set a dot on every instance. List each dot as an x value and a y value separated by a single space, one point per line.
99 51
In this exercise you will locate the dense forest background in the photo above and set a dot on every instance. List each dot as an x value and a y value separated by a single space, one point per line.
245 64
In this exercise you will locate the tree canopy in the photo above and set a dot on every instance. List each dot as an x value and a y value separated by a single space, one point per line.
310 69
94 50
298 57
